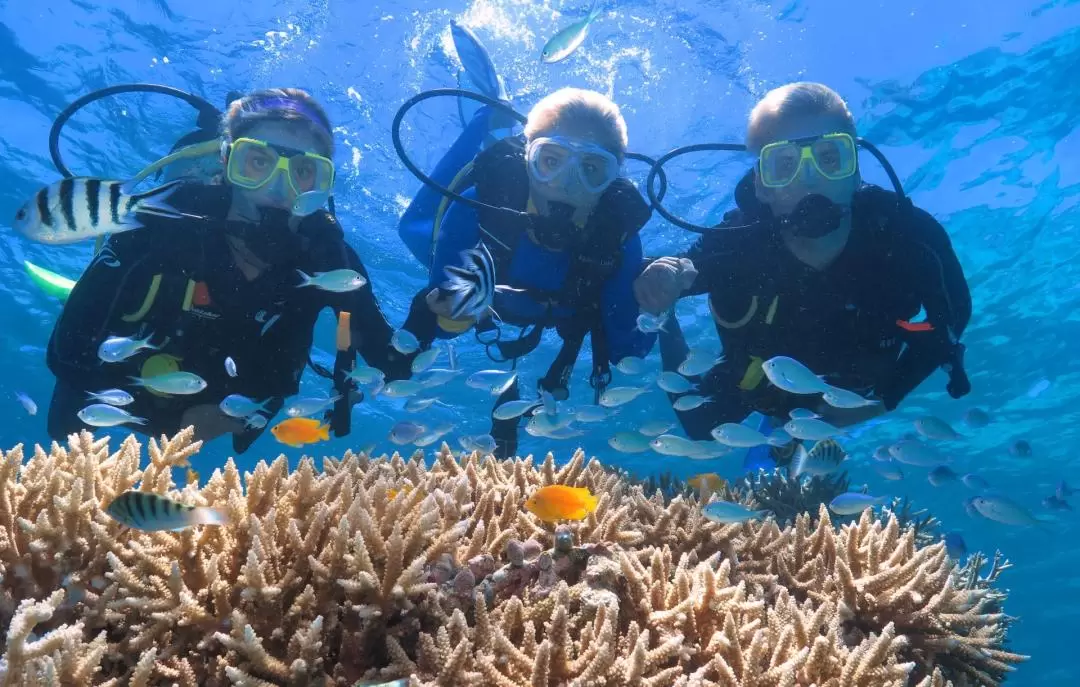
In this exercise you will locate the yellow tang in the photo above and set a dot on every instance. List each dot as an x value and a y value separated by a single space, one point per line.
559 502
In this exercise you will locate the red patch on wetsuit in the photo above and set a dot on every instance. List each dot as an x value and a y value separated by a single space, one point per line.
915 326
200 295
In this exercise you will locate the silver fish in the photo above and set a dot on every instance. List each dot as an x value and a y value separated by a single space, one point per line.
803 414
811 430
618 395
654 428
27 403
366 376
562 44
105 415
436 377
84 208
306 407
149 512
471 286
425 360
973 481
672 445
336 281
675 383
914 452
852 503
935 428
117 348
629 442
1021 448
729 513
940 475
698 364
630 365
476 61
563 433
114 397
705 449
738 436
230 367
236 405
976 418
434 435
1001 509
544 425
404 342
256 421
824 459
406 432
495 382
591 414
418 404
484 443
881 454
178 383
690 402
512 409
792 376
650 324
842 398
401 388
890 470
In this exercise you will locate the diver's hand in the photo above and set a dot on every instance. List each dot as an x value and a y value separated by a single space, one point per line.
441 303
210 422
662 282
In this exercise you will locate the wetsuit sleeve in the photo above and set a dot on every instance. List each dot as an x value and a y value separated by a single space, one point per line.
113 285
458 231
620 307
711 254
939 279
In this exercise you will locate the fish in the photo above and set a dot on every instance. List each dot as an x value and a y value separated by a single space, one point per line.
550 404
495 382
890 470
27 403
114 397
650 324
811 430
803 414
335 281
484 443
400 682
436 377
1038 388
297 431
471 285
1000 509
738 436
543 425
236 405
365 375
82 208
955 546
629 442
935 428
512 409
620 395
176 383
976 418
842 398
915 452
691 402
434 435
705 449
420 404
1021 448
824 458
476 61
881 453
674 383
404 342
105 415
400 388
591 414
230 367
973 481
1055 502
306 407
852 503
779 438
406 432
630 365
654 428
115 349
558 502
672 445
969 508
728 513
563 433
149 512
708 481
940 475
562 44
792 376
425 360
256 421
698 363
192 477
1063 490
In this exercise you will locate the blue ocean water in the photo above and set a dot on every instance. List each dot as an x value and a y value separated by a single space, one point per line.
974 103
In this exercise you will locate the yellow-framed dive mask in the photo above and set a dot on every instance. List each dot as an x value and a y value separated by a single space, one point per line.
253 163
834 156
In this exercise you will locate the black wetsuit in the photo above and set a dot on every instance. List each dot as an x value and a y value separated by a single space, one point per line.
177 280
843 322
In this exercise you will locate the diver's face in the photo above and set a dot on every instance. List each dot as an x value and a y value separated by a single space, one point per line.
278 193
569 187
808 181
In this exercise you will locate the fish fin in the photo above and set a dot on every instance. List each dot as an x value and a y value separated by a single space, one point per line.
324 432
154 201
798 463
138 420
306 279
137 381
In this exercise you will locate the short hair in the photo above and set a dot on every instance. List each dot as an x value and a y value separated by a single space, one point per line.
278 105
794 100
583 108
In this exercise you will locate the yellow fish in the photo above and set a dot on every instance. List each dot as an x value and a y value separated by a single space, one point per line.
297 431
559 502
709 480
391 493
193 477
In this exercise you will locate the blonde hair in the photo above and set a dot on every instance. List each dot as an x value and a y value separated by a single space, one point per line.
801 99
278 105
580 109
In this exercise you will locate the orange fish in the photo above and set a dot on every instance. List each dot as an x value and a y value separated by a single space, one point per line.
297 431
559 502
709 480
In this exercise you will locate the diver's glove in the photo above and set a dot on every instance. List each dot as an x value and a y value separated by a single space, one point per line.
928 348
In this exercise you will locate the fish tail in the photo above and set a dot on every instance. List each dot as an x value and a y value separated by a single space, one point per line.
205 515
323 432
798 463
137 381
153 202
138 420
306 279
595 11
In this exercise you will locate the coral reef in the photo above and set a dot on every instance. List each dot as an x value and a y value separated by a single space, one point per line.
384 568
787 497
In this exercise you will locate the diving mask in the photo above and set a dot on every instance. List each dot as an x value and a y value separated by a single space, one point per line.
834 156
553 159
253 164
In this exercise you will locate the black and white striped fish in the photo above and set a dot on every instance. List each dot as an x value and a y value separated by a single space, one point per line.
83 208
824 459
471 286
149 512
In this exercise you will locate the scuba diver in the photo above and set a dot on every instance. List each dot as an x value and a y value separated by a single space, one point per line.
225 285
816 266
560 225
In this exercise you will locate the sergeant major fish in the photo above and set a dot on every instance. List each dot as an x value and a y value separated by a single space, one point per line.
149 512
82 208
824 459
471 286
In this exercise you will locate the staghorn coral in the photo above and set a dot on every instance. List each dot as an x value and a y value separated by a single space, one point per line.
787 496
372 569
921 521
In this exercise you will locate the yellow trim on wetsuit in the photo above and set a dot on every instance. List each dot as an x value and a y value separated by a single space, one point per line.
189 293
444 204
753 375
772 310
726 324
151 296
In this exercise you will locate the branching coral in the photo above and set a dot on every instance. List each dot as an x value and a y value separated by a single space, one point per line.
787 496
385 568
